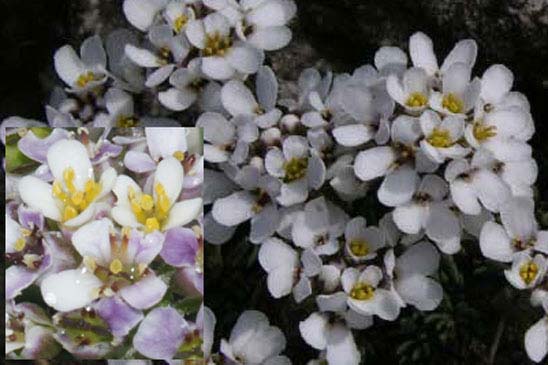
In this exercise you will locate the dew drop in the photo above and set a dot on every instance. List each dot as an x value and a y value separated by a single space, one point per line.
50 298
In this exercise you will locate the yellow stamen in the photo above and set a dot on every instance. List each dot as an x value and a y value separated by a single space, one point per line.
89 263
179 155
295 169
152 224
68 177
180 22
147 202
69 213
126 122
162 201
20 244
483 132
359 247
216 45
85 79
440 138
362 291
528 272
453 103
416 100
116 266
25 232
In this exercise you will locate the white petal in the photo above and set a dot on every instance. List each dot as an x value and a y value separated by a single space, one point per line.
238 99
422 292
491 190
234 209
443 227
341 348
183 212
170 174
70 154
164 142
421 258
536 341
68 65
421 50
93 240
270 38
314 330
464 196
280 281
217 129
141 13
386 56
373 163
245 59
465 51
218 68
38 195
495 243
398 187
496 82
69 290
141 57
410 218
518 217
352 135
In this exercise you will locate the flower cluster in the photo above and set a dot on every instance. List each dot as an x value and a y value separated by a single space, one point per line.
101 226
446 152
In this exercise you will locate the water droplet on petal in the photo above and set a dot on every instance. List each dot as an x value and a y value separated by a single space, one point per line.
50 298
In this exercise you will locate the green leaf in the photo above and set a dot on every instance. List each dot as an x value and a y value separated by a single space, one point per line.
16 160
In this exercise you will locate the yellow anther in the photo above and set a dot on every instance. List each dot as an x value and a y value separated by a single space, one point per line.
179 155
483 132
295 169
216 45
57 190
126 122
152 225
162 201
89 263
116 266
77 198
359 247
440 138
180 22
25 232
147 202
362 291
453 103
69 213
20 244
85 79
416 100
68 177
130 193
528 272
31 261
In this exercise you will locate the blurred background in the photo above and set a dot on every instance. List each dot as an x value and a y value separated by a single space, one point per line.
341 35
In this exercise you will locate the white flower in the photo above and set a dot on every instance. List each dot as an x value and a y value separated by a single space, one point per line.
72 197
366 297
411 272
169 51
319 226
253 341
342 178
120 108
518 232
526 271
221 57
159 211
178 14
412 92
189 86
238 100
471 184
85 72
421 51
285 273
362 242
299 168
335 338
263 23
442 137
254 202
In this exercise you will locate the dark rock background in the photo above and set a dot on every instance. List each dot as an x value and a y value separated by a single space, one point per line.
340 34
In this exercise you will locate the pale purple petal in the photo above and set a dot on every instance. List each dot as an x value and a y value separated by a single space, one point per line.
160 333
30 218
139 162
19 277
40 344
180 247
190 281
147 247
37 148
120 317
145 293
106 150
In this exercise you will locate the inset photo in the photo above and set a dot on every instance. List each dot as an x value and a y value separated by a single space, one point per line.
104 243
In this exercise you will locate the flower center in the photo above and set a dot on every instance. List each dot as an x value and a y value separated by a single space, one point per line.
295 169
84 79
453 103
359 247
84 327
179 155
362 291
126 122
528 272
191 342
180 22
216 45
440 138
416 100
15 330
164 56
148 212
74 201
482 132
